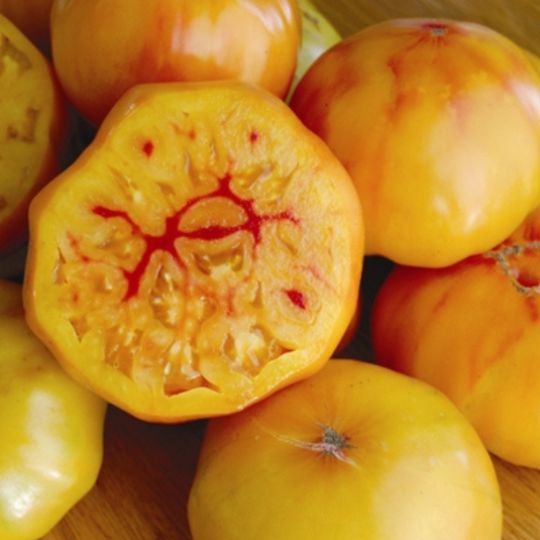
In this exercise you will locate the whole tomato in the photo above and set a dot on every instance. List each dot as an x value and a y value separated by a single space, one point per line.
438 123
354 452
102 48
473 331
33 120
203 252
51 434
318 35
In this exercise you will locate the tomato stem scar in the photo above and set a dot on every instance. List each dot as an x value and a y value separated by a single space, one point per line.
437 29
331 444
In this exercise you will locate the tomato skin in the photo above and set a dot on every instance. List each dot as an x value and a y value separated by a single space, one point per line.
438 124
33 112
471 330
101 49
410 467
51 438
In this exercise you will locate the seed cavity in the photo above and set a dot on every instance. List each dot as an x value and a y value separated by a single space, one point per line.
167 316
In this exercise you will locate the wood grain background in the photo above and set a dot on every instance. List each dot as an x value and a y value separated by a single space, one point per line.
147 472
142 491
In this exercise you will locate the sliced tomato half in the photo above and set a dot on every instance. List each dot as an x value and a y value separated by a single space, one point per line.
204 251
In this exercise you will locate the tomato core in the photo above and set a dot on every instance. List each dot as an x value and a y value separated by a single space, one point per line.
173 231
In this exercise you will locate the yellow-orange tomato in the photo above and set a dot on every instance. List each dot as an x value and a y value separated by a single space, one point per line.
51 434
438 123
354 452
472 330
204 251
30 16
33 120
102 48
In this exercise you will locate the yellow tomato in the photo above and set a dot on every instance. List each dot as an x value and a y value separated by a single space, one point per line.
102 48
32 117
50 434
204 251
438 123
354 452
472 331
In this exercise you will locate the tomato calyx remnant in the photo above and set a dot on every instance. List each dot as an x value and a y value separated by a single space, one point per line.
437 29
522 282
331 444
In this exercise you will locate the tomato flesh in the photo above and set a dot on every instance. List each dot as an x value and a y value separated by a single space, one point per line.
202 256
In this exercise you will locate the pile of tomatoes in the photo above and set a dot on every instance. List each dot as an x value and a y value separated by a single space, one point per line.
194 209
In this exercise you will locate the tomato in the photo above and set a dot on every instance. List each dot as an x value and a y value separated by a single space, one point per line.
31 17
203 251
356 451
33 119
318 35
471 330
102 48
534 60
51 433
438 123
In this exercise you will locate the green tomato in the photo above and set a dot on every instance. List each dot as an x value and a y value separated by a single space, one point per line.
318 35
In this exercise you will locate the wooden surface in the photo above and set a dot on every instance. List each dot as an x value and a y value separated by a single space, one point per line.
143 487
144 483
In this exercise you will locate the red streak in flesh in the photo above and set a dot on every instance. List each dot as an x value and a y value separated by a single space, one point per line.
148 148
165 242
297 298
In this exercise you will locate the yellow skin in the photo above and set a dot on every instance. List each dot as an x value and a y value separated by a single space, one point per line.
204 251
354 452
471 330
51 433
32 123
438 123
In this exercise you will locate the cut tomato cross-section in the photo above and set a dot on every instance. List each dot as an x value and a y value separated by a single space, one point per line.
203 252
